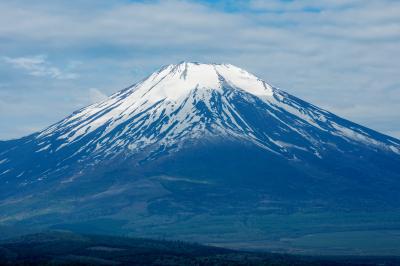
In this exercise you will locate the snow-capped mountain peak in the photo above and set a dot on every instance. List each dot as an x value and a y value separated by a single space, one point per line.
189 103
193 100
176 81
165 93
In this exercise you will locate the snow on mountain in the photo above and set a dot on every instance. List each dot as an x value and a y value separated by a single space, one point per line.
193 101
180 100
169 97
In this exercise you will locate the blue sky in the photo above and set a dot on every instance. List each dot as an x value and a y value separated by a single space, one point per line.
57 56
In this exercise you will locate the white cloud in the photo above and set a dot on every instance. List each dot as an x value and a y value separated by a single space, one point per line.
38 66
95 95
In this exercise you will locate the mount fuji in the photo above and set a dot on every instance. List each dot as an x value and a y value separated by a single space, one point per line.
195 140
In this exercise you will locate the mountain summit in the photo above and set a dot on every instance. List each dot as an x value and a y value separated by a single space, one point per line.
195 139
196 101
175 102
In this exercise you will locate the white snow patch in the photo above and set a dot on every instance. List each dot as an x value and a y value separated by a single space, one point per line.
5 172
21 174
44 148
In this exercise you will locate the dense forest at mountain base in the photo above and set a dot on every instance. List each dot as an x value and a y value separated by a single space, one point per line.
67 248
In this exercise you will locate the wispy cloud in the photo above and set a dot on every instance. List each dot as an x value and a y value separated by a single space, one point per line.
96 95
38 66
